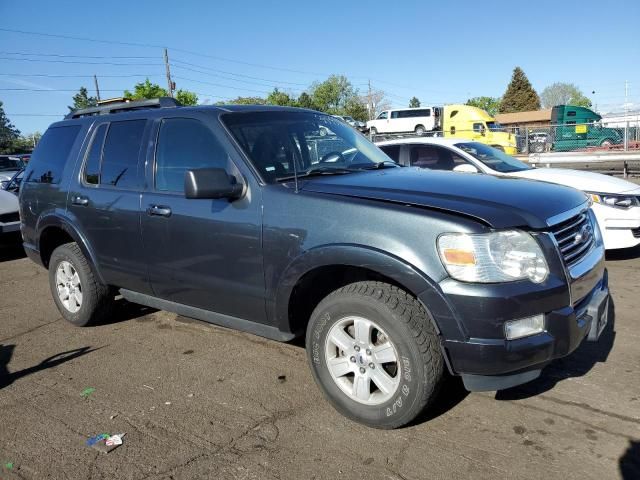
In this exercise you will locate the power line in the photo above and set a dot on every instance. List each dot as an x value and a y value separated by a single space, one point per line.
47 75
34 54
235 74
54 90
81 63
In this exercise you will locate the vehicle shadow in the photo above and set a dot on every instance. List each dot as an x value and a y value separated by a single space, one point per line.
6 352
623 254
577 364
452 392
630 462
124 310
11 248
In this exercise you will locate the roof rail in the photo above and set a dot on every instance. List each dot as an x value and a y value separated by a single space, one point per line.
162 102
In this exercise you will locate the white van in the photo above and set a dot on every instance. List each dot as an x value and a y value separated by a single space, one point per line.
418 120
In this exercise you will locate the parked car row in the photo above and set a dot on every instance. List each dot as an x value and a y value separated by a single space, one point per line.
249 217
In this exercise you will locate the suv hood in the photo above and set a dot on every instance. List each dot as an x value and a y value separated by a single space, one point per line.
585 181
497 201
7 174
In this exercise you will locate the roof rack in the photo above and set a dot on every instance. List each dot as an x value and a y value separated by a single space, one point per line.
162 102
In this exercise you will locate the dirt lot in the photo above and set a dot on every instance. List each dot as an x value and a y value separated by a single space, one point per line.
198 401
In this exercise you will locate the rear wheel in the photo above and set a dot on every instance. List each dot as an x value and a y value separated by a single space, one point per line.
498 147
79 296
374 353
420 130
373 131
607 142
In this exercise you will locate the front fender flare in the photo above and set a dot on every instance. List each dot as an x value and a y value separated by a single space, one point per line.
416 282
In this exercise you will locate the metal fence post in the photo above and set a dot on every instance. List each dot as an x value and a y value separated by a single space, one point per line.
626 137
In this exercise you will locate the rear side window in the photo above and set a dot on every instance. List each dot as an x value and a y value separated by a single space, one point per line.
393 151
51 154
92 165
120 154
185 144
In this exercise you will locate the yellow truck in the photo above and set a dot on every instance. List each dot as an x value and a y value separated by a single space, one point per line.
464 121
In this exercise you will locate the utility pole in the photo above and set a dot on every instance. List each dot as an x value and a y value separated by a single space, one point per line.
168 69
95 81
370 103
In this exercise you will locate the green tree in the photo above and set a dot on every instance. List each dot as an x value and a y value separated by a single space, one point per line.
144 90
186 98
489 104
561 93
244 101
280 98
83 100
520 95
8 133
414 102
25 143
356 107
305 101
332 95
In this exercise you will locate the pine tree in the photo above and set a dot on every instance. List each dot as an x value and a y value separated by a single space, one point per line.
520 95
83 100
8 133
414 102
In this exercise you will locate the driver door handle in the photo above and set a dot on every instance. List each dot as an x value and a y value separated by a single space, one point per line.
159 211
80 200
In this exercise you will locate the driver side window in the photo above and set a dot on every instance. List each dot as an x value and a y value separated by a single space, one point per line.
383 116
185 144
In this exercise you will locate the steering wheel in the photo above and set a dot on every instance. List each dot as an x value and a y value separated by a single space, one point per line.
333 157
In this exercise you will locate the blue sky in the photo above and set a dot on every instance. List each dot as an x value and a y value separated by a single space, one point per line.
442 52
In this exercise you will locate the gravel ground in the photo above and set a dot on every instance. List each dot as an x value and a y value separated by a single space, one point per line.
199 401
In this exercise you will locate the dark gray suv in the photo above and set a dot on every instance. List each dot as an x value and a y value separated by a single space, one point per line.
286 222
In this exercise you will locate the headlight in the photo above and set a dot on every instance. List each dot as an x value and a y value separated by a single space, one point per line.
493 257
618 201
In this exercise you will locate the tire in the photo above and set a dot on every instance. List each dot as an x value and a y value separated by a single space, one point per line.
498 147
607 142
373 131
420 130
399 328
70 275
537 147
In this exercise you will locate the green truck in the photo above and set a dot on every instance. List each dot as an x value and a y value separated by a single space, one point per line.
579 127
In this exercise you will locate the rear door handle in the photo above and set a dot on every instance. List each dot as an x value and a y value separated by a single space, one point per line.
80 200
159 210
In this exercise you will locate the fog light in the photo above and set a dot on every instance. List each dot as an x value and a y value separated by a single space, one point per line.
524 327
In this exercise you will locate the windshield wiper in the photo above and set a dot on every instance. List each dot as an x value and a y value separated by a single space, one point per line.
312 172
377 166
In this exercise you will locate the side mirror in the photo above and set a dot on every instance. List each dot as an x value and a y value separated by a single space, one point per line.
465 168
211 183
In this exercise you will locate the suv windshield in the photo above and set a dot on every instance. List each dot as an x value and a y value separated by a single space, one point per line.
314 143
10 163
493 158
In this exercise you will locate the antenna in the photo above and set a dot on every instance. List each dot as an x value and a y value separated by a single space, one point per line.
295 173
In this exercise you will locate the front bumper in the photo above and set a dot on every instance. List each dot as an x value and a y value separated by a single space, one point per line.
620 227
481 354
510 150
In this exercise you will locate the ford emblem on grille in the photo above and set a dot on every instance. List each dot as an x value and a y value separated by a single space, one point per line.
584 235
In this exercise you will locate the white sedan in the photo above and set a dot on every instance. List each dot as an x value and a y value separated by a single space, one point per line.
9 218
616 202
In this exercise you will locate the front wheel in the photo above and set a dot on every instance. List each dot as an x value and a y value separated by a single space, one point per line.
374 353
607 142
420 130
373 131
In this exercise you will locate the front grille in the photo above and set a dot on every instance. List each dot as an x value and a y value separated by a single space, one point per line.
9 217
636 232
575 238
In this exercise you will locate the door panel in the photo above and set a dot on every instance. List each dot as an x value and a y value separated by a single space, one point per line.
201 252
109 216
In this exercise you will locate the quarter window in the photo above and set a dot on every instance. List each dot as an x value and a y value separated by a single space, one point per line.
120 154
49 158
434 157
185 144
92 165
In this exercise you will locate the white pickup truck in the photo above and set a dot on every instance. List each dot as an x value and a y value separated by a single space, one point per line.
417 120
